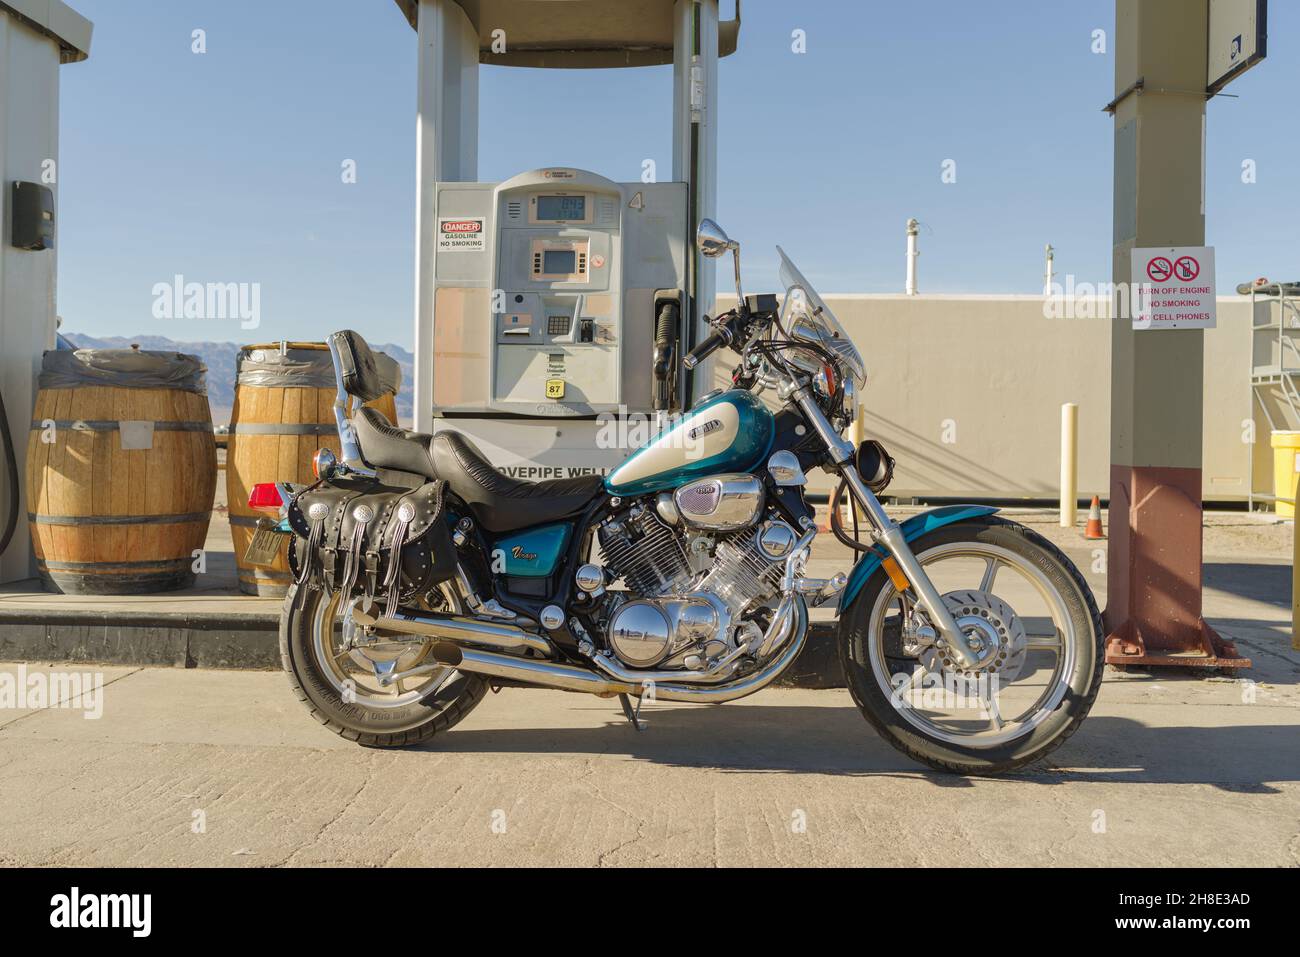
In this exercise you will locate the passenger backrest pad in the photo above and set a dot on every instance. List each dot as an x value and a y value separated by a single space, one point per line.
366 374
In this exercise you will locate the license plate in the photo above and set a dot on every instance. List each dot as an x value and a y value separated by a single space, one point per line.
264 549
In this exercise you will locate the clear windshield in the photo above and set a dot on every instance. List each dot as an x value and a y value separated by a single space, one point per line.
804 306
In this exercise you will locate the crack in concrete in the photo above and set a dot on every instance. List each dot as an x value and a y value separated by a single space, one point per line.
640 834
55 704
432 815
585 782
347 806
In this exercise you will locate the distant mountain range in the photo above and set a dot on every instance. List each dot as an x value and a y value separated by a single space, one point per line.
220 358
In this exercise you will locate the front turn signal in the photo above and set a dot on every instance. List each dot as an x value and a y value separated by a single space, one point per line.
896 574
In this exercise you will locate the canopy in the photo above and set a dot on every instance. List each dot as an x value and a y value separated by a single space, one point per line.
578 34
58 21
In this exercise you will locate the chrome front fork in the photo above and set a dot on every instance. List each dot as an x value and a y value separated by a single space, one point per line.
886 531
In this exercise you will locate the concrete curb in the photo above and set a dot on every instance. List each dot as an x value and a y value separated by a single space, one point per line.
247 640
179 639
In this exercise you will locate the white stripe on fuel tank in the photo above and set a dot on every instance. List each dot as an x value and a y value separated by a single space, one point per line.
676 447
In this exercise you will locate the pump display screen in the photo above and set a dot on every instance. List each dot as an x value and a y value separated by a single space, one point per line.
561 208
559 262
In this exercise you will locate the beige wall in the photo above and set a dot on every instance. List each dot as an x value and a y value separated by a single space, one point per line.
993 372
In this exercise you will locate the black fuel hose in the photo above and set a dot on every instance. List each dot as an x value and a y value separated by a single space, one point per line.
665 336
11 467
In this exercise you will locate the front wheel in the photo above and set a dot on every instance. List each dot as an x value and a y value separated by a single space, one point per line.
1030 617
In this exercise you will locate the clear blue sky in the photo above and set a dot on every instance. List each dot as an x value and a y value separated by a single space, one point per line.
225 166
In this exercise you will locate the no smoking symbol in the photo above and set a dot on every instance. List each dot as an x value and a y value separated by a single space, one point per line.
1187 268
1160 269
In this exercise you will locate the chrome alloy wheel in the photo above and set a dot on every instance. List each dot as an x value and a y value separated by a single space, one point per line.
1025 657
354 663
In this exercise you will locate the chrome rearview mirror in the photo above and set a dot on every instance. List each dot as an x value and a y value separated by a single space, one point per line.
712 242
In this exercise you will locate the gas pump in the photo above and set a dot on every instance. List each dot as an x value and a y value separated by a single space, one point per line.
558 299
576 271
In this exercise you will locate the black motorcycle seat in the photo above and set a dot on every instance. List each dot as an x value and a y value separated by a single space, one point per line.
500 503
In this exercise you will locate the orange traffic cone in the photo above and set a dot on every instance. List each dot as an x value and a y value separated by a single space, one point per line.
1093 528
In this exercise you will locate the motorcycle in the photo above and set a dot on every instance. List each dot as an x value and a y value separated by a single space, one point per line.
423 576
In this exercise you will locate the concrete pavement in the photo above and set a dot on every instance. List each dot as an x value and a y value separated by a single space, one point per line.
209 767
197 767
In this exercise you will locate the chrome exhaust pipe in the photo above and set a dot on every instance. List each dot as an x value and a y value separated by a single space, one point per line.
547 674
544 674
500 636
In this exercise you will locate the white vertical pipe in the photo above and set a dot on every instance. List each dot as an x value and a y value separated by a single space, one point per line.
1050 271
446 149
1069 463
695 107
912 253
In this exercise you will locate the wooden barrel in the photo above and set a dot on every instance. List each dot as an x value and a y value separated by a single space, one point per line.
283 413
121 470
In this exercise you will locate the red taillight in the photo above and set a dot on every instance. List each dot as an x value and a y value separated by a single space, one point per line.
265 497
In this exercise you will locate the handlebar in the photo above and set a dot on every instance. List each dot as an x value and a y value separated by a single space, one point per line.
730 329
706 348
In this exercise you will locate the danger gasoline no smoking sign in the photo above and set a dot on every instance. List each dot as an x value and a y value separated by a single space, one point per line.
1173 288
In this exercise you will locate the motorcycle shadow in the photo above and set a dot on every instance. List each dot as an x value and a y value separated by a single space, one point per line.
833 739
731 737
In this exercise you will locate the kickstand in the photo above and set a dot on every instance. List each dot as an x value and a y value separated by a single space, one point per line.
632 716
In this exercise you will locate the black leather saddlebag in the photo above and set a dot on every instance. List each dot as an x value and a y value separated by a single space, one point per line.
364 538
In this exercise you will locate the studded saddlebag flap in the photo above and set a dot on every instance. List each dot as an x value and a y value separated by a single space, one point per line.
364 538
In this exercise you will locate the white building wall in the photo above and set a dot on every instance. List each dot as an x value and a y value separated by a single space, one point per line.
966 393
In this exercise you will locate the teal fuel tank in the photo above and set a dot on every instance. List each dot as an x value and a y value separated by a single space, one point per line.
731 432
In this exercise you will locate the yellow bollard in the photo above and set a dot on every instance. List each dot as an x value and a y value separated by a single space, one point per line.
849 508
1069 464
855 427
1295 576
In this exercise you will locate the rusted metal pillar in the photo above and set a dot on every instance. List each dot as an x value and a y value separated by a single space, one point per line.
1153 613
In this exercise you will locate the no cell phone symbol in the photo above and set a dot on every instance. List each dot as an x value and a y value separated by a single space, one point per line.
1187 268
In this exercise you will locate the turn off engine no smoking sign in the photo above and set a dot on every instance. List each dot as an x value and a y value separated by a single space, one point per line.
1173 288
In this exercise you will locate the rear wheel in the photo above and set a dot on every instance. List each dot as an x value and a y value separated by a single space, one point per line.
336 673
1034 623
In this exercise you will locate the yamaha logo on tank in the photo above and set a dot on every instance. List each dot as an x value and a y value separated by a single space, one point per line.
700 430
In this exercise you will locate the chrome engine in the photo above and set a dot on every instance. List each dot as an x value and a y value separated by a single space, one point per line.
692 591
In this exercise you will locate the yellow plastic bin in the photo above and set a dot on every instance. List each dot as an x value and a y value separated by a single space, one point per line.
1286 465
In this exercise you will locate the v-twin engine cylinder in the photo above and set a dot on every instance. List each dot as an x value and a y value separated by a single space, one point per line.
743 571
646 553
691 592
